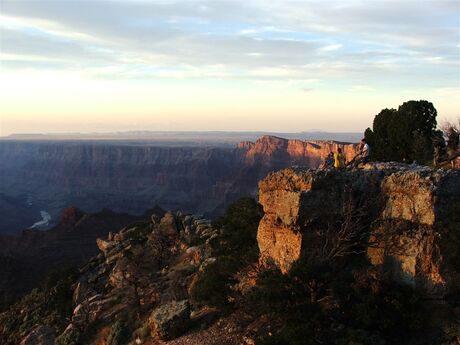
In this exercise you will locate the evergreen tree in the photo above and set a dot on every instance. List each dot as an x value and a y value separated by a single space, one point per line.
404 135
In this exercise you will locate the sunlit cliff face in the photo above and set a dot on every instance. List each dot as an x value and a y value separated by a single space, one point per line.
417 209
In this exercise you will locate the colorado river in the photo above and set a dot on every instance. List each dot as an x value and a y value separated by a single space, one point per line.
46 217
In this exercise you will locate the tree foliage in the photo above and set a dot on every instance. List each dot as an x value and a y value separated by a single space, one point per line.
235 248
407 134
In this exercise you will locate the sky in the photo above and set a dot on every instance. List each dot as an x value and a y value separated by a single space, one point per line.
283 66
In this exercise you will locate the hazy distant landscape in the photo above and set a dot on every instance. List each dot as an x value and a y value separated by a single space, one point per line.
131 172
189 138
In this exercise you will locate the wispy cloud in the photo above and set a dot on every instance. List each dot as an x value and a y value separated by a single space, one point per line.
360 47
245 37
331 47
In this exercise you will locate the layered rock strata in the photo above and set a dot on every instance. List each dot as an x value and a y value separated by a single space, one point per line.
131 177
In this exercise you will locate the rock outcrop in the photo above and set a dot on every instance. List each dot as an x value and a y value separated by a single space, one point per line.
144 267
273 150
413 213
137 290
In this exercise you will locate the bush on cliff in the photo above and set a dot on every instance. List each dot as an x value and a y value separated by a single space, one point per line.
333 294
320 304
239 229
234 249
118 334
406 134
50 306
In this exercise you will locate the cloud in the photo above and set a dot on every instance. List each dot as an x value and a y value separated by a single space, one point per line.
331 47
252 39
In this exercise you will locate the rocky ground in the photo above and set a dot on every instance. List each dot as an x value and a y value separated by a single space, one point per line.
143 277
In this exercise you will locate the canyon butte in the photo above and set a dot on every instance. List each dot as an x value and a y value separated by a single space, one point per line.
358 256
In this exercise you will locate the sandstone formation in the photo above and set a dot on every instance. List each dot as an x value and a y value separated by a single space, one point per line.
130 177
269 149
414 214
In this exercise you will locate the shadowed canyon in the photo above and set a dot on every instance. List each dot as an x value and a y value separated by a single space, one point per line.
133 177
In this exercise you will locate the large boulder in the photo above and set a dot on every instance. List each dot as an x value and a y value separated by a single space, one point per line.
415 214
170 320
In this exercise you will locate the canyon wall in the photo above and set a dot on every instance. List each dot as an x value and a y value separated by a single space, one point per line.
131 177
413 218
27 258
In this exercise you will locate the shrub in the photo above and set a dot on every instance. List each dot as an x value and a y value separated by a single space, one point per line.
71 337
213 286
142 332
117 335
140 232
51 306
346 308
239 229
234 249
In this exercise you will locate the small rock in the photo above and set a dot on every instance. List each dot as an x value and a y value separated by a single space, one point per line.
248 340
194 254
104 246
119 237
41 335
206 263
